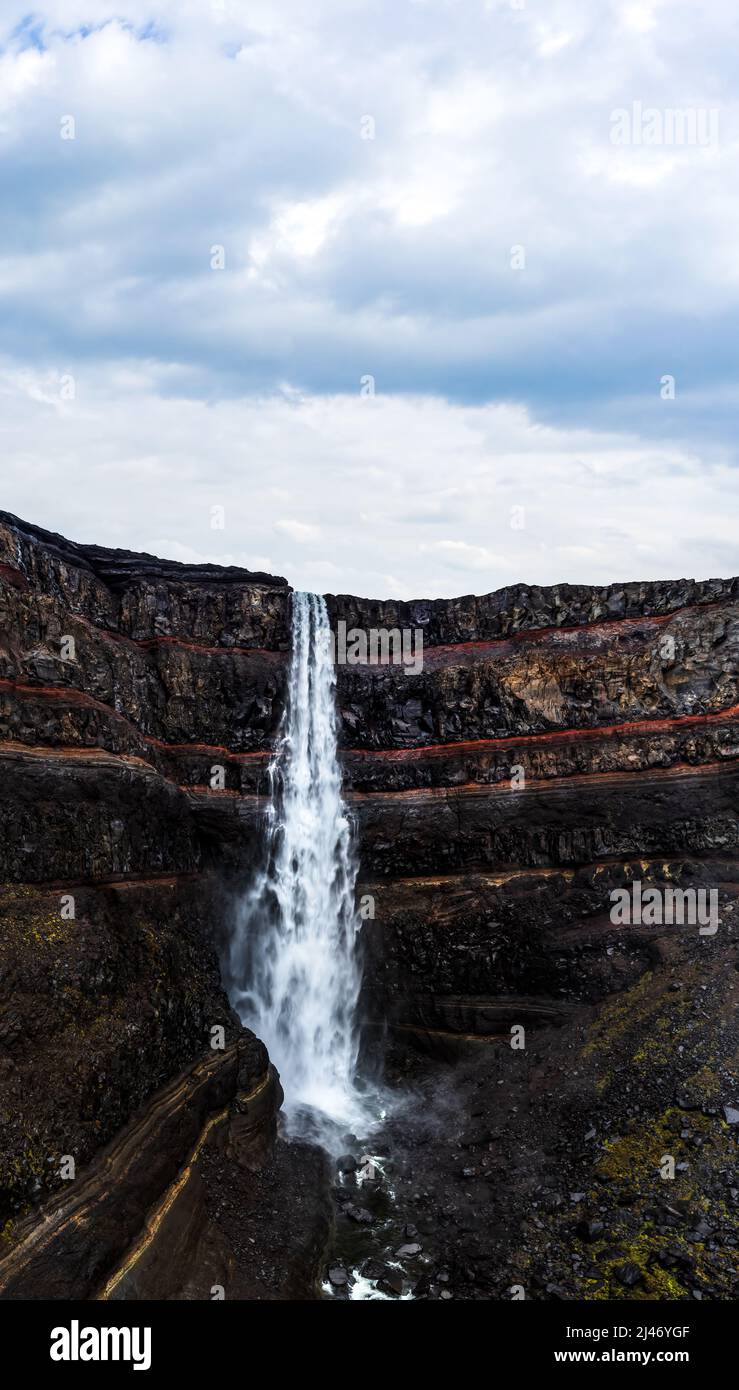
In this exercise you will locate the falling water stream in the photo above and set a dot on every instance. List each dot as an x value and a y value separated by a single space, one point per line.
294 966
294 970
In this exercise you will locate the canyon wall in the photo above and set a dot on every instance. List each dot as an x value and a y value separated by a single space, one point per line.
555 744
115 671
574 1116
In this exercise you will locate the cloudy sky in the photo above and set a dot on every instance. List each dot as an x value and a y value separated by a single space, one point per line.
392 289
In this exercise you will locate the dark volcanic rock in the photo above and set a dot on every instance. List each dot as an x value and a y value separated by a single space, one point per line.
628 1274
96 1012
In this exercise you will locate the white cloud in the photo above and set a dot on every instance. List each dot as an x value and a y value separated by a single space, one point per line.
124 466
298 531
463 556
187 555
211 122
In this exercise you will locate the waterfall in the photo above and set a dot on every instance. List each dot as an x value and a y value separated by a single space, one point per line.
294 966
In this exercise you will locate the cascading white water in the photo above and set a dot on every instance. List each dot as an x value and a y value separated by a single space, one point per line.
294 967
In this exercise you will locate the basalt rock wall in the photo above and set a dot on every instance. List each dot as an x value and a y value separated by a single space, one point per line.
554 745
114 670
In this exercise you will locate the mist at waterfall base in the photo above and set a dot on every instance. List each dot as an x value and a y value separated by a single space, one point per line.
294 963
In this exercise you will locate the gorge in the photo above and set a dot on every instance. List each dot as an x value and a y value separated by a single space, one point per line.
554 745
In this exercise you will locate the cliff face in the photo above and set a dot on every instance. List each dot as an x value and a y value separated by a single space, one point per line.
114 670
556 743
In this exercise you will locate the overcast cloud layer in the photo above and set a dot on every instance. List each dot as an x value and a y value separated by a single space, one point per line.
423 200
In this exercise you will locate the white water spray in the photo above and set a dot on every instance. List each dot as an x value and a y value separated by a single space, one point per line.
294 967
